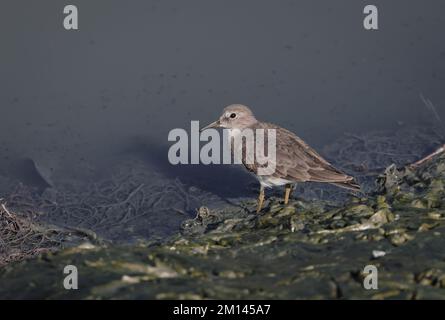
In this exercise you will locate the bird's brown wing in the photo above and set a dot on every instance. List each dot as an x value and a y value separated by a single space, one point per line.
296 161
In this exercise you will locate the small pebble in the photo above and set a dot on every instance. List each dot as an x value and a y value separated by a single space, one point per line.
378 254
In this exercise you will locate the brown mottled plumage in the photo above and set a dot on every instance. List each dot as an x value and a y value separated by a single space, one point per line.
295 160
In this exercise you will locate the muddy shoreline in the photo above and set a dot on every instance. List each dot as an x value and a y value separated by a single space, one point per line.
306 250
140 236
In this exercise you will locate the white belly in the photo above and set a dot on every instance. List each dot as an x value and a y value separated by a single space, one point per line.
269 181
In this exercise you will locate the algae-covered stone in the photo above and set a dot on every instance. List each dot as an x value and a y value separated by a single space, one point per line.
435 215
305 250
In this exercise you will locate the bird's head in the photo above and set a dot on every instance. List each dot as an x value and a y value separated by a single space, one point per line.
235 116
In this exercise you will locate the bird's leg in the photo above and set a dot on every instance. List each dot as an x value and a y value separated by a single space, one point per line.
260 199
287 192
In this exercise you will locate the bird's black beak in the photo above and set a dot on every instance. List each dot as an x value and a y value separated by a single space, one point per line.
215 124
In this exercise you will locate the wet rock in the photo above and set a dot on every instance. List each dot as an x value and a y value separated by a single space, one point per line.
381 217
199 225
296 224
360 210
301 251
427 226
388 182
399 237
338 224
431 277
378 254
230 225
434 215
193 227
386 295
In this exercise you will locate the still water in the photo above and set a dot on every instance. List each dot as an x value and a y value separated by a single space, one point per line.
76 104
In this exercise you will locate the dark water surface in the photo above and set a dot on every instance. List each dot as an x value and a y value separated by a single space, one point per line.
133 71
85 114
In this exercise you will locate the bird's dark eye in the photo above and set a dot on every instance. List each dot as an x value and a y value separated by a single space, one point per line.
233 115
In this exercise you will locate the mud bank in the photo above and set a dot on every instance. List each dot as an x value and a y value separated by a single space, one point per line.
306 250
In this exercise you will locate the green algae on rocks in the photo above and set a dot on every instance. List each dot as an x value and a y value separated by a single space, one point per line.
305 250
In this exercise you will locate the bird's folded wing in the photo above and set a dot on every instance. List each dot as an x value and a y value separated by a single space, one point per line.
299 162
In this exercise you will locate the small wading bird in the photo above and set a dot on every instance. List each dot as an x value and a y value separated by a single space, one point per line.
295 160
